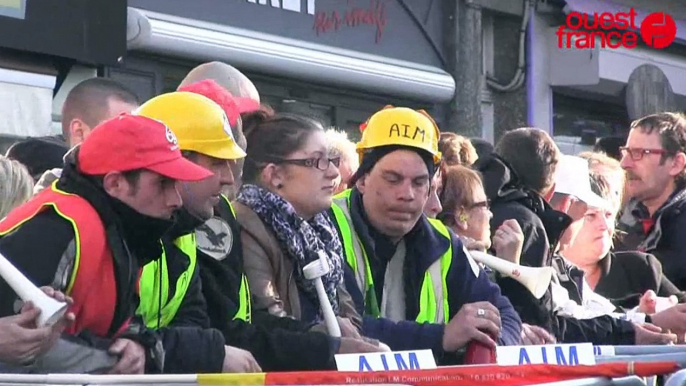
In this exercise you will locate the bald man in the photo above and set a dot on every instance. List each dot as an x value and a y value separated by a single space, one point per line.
244 94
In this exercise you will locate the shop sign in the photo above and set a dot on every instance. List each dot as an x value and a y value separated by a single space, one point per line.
350 14
353 16
615 30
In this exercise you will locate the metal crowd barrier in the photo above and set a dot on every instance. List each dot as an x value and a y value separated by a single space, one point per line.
608 354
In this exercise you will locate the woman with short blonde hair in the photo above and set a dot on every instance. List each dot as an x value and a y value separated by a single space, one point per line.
16 185
341 146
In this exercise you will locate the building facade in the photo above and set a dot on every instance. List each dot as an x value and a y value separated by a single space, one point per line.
338 61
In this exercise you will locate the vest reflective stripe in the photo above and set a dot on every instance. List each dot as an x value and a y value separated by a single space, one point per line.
244 309
155 307
355 254
245 306
91 282
433 297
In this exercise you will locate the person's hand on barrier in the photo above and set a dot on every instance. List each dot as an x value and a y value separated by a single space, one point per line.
360 345
237 360
647 334
672 319
131 357
474 321
508 241
535 335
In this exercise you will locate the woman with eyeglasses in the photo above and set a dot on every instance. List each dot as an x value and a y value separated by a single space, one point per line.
288 183
465 211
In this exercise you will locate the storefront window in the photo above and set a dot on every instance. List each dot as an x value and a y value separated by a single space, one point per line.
577 117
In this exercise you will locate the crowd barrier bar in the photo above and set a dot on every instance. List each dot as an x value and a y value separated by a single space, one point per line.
678 358
599 381
643 350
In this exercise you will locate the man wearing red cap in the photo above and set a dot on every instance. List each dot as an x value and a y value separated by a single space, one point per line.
93 230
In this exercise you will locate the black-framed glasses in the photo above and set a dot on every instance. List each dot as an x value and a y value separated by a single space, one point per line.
321 163
637 153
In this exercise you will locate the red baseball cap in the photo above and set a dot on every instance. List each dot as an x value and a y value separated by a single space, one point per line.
130 142
233 106
247 105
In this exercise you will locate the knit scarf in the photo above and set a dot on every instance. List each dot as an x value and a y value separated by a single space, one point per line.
301 240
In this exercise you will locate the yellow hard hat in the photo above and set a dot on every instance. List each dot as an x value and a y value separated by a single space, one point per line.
199 124
400 126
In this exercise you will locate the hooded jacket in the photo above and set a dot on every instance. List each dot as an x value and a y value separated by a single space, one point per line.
542 227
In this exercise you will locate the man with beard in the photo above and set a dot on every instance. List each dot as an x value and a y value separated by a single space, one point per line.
655 219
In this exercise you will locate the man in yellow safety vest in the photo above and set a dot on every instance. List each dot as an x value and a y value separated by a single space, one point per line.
410 274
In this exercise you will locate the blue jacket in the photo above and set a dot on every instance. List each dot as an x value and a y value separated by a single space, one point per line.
423 247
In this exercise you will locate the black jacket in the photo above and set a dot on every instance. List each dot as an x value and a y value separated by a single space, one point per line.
626 276
664 239
272 340
42 248
542 227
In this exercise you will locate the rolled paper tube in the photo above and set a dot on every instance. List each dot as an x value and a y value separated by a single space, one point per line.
51 309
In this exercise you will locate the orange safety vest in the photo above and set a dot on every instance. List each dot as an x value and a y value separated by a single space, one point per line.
92 282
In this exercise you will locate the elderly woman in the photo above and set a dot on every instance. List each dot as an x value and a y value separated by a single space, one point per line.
341 147
625 276
465 211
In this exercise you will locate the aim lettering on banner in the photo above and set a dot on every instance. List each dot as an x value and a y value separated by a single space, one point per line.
388 361
559 354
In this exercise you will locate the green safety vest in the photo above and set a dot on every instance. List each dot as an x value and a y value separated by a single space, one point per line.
155 306
433 298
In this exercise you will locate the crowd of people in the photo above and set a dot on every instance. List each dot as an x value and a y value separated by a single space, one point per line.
178 230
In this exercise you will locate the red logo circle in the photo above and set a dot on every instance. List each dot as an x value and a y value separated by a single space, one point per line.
658 30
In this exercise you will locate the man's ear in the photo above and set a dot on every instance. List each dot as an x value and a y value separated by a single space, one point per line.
361 184
77 131
679 164
114 184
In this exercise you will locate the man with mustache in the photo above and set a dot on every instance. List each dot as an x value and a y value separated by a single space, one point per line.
524 181
411 274
654 220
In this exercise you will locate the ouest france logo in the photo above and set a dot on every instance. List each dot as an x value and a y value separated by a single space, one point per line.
615 30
